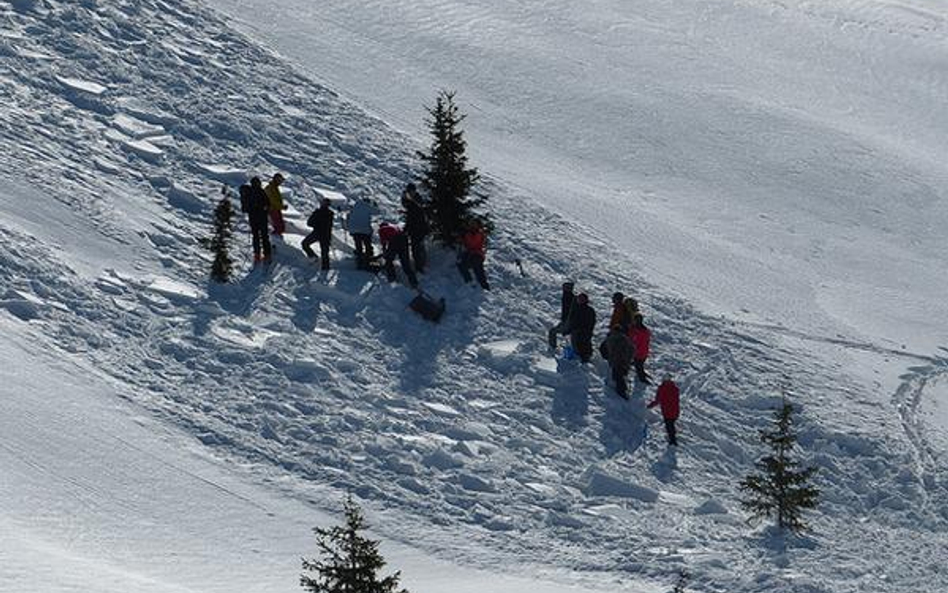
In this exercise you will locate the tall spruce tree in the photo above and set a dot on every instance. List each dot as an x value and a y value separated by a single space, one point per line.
780 490
219 242
350 563
446 178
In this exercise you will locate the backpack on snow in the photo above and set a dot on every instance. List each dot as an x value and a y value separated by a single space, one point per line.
427 307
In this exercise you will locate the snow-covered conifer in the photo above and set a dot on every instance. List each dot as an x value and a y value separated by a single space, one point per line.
219 242
446 178
780 490
349 562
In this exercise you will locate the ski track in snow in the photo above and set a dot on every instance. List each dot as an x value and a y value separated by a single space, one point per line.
325 382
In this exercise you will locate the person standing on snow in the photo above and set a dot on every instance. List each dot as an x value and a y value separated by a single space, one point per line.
580 327
257 208
395 244
566 304
641 338
359 225
667 397
321 223
620 318
276 204
416 226
619 351
473 253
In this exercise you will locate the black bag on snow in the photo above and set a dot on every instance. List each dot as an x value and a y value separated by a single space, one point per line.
427 307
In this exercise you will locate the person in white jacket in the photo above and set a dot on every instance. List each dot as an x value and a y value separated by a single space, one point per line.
359 225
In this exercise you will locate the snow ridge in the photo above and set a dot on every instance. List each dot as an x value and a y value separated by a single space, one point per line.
466 437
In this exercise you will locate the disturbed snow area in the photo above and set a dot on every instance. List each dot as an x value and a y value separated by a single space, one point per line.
466 439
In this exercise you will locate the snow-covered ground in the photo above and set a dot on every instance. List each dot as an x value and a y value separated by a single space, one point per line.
780 162
466 442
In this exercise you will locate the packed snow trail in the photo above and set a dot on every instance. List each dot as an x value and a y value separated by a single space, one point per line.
463 438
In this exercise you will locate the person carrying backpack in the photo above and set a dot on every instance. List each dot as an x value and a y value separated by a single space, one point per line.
473 253
580 327
566 304
254 201
395 244
641 337
619 351
276 204
416 226
321 223
359 225
667 397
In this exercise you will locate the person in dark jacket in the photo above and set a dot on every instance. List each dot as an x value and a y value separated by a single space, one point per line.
621 318
473 253
667 397
395 244
566 304
258 209
321 223
619 353
580 326
641 338
416 227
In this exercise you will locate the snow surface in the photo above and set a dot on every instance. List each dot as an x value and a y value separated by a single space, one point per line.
466 442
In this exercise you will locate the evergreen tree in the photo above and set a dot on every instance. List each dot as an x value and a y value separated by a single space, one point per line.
350 563
780 490
219 242
446 178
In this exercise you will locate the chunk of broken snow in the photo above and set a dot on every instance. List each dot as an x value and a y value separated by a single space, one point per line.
441 409
223 173
82 86
710 507
545 370
174 290
107 166
600 483
136 128
144 149
499 349
184 199
334 197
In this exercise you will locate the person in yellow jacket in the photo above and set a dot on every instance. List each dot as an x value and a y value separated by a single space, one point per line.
276 204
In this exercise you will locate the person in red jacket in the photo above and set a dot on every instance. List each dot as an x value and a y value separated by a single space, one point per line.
641 338
473 253
395 245
667 398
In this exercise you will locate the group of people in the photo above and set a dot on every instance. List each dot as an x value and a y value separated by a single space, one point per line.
625 347
265 205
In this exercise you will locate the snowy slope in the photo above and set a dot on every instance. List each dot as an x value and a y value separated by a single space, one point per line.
779 162
464 439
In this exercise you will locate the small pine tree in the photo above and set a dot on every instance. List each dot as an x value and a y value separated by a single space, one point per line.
350 563
780 490
219 242
446 178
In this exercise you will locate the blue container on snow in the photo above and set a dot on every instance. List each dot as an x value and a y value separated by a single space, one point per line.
569 353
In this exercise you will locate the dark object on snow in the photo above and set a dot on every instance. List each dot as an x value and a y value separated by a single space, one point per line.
321 222
617 349
416 227
244 198
395 245
258 205
580 326
427 307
